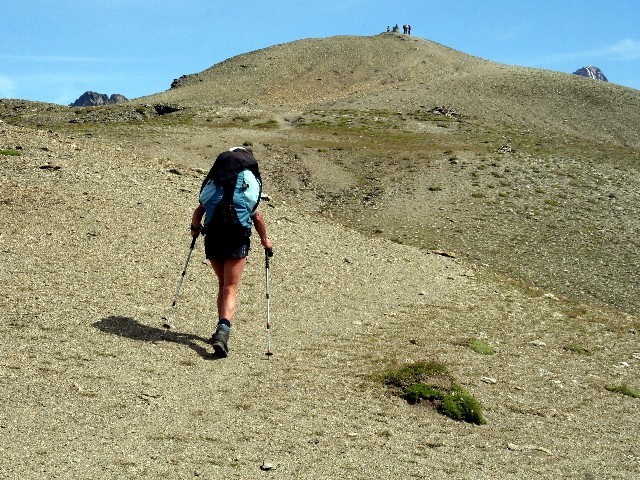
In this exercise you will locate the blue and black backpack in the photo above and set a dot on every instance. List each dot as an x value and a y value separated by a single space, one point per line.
230 193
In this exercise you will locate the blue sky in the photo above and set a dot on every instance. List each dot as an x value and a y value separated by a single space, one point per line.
55 50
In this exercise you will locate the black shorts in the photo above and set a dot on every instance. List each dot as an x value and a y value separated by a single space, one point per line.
223 247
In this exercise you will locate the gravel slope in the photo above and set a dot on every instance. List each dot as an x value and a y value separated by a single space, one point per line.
92 243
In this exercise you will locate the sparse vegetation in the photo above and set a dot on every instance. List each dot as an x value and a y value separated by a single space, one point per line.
268 124
10 152
577 348
481 347
624 389
430 382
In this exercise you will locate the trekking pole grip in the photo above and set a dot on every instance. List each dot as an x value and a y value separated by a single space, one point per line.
268 252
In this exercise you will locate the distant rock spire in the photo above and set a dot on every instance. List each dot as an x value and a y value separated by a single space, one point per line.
93 99
591 72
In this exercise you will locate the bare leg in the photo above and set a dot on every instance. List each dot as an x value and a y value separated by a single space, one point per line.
229 275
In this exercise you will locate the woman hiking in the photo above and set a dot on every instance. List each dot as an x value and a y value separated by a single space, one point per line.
228 201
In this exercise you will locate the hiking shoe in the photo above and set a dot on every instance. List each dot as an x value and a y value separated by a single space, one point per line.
219 340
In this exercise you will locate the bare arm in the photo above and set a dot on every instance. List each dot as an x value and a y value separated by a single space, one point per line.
196 220
261 228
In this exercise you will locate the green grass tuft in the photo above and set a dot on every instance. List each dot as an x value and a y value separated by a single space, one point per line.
10 152
430 382
624 389
481 347
460 405
577 348
408 374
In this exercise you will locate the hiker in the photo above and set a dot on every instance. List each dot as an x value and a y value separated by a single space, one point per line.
388 28
405 29
229 199
408 29
396 29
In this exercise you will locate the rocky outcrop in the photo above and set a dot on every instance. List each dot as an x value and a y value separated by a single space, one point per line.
94 99
591 72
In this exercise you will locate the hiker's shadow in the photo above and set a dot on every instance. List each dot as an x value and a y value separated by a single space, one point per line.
130 328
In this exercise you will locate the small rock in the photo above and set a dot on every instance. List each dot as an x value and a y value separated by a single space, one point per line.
266 466
538 343
489 380
444 253
520 448
505 149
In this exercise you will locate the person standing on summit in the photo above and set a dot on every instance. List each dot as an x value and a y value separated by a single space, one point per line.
228 201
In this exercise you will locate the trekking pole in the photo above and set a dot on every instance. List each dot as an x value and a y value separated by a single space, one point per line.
268 253
167 320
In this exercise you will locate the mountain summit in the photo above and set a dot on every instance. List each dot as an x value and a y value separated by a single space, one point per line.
591 72
390 71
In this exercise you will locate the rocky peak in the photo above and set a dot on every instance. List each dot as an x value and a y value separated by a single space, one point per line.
94 99
591 72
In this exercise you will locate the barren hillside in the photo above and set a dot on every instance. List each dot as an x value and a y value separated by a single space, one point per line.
401 137
393 71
